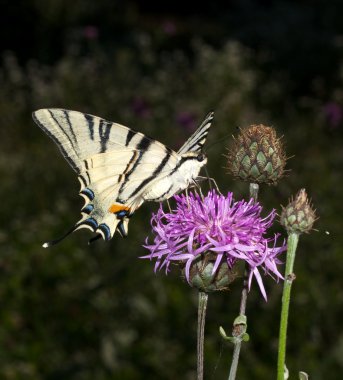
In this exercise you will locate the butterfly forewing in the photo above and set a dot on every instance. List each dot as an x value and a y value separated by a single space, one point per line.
80 136
118 167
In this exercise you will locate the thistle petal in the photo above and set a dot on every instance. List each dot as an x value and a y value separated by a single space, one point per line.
215 230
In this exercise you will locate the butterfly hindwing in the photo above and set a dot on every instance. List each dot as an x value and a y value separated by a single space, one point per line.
119 168
113 183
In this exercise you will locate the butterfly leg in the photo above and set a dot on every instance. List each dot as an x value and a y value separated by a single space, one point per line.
170 210
210 181
201 194
214 183
186 191
196 184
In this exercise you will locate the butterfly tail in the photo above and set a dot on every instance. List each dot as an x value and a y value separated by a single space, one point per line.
56 241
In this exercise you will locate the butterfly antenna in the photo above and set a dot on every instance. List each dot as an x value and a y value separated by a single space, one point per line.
218 141
56 241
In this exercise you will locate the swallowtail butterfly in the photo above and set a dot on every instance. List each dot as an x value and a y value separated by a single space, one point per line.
119 168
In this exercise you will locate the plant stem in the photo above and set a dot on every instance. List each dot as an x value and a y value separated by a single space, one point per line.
202 305
292 243
237 330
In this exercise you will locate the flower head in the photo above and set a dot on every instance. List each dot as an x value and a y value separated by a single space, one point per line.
90 32
298 216
333 113
187 120
218 227
257 155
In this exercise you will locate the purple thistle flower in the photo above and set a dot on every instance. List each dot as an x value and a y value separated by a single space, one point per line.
230 230
333 113
90 32
187 120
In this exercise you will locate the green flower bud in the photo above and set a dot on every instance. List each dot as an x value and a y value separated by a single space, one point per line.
257 155
298 216
202 278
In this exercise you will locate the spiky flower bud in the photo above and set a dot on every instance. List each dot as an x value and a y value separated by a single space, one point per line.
257 155
298 216
201 274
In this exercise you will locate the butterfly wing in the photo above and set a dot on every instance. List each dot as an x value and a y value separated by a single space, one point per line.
118 167
196 142
114 182
79 135
114 164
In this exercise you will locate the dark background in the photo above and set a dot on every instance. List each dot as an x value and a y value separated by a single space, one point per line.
99 312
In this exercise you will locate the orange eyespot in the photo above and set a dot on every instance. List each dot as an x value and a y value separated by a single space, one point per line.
115 208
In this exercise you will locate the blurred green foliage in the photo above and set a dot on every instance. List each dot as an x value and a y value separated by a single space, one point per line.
98 312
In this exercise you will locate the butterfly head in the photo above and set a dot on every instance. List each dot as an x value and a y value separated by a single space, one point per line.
189 167
201 157
195 158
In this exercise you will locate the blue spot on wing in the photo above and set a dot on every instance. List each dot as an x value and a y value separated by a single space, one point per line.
122 213
88 193
91 222
88 209
106 230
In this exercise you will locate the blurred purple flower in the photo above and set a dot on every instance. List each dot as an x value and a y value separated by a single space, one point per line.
140 107
187 120
333 113
90 32
231 230
169 27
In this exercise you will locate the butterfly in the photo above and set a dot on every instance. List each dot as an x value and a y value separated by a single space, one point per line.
119 168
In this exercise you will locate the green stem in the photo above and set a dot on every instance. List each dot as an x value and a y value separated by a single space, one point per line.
202 305
292 243
237 330
235 359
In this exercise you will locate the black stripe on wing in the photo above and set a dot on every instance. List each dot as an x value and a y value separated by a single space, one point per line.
90 123
66 115
129 136
56 141
103 129
104 134
197 140
142 147
55 119
154 175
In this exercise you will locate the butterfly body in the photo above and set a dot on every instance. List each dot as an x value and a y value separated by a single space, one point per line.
185 173
119 168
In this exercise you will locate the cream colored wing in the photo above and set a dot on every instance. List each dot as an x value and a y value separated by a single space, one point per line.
113 185
118 167
79 135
